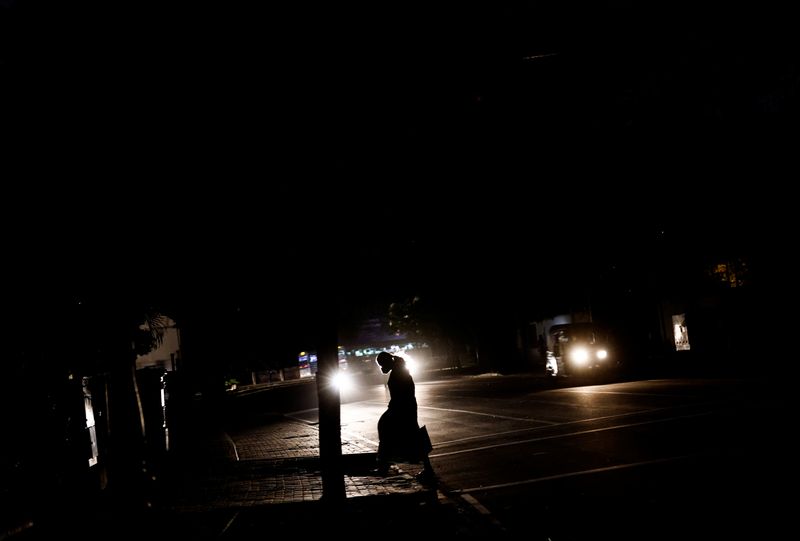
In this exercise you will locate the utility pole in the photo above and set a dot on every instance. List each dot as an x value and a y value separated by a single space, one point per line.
330 433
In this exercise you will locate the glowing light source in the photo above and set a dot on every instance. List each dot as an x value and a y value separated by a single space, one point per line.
342 381
411 364
579 355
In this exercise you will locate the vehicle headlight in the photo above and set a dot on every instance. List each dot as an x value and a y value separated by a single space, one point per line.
411 364
579 355
602 354
342 381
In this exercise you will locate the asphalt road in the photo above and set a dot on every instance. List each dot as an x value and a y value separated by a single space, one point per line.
582 459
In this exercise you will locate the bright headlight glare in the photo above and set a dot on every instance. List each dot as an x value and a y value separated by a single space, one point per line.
411 364
602 354
342 381
580 355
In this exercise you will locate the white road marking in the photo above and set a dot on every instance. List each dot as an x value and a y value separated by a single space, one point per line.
583 391
567 435
533 428
465 492
493 415
478 506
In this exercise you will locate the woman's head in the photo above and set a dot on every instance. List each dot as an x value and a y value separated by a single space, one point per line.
386 361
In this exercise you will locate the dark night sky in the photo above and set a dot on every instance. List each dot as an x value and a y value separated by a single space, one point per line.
228 142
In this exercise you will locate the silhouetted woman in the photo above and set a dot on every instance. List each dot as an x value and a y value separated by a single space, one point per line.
400 438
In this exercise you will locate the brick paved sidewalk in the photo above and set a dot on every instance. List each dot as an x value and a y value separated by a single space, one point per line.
266 480
277 462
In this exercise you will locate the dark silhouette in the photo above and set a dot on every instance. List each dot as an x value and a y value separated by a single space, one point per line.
400 437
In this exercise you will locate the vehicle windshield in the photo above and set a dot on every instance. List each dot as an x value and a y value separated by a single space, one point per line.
576 332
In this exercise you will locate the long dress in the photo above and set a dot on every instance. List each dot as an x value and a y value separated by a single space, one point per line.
398 429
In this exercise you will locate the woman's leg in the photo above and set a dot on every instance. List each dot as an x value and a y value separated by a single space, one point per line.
382 461
384 446
427 475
